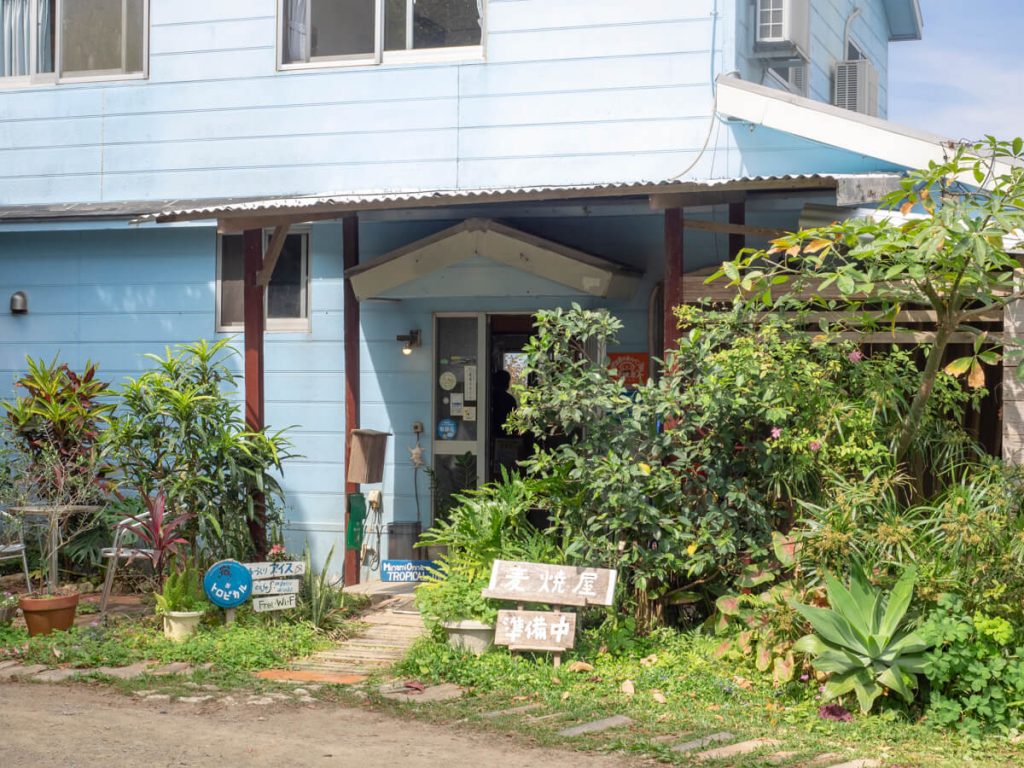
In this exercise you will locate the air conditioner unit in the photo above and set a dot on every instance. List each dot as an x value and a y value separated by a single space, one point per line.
856 87
782 29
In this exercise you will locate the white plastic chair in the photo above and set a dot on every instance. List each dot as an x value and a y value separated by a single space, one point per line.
119 552
12 543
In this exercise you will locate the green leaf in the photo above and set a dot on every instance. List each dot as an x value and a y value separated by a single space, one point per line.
785 548
892 678
837 661
729 605
899 602
831 626
811 645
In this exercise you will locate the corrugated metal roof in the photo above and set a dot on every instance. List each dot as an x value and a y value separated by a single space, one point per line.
326 204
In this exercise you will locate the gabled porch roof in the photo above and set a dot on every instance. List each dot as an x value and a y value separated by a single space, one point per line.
500 243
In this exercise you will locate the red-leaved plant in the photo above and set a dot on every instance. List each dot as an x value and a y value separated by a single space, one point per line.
159 532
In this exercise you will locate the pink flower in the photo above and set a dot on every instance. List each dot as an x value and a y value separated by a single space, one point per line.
814 445
835 712
776 433
856 356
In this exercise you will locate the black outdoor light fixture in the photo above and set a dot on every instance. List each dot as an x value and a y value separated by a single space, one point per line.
411 339
19 303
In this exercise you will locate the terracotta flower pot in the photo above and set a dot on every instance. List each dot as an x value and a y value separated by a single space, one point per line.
45 614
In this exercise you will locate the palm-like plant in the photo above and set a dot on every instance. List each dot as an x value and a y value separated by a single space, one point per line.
863 642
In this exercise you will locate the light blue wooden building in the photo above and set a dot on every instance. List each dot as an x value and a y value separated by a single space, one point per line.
467 161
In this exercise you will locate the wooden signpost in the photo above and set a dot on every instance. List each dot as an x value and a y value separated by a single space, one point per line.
555 585
273 587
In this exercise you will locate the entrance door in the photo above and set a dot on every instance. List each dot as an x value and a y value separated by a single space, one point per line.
460 406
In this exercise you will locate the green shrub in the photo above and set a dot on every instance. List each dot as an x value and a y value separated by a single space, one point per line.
181 592
976 669
454 594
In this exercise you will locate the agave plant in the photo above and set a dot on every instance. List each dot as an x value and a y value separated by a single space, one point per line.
862 640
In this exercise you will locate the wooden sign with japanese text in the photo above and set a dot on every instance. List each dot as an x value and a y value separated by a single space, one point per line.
275 587
551 584
281 570
535 630
273 603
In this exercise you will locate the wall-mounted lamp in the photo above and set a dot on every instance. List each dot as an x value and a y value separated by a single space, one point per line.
19 303
411 339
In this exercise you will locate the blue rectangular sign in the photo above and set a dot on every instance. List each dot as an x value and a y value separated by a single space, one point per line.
406 570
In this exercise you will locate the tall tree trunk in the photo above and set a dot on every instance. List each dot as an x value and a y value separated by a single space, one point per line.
924 391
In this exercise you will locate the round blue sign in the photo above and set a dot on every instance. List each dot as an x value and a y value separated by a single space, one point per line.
447 429
228 584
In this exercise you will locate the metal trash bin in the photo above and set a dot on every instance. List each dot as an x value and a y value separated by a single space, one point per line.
366 456
402 538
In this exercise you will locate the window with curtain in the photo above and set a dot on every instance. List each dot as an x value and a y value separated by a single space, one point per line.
287 296
74 38
315 31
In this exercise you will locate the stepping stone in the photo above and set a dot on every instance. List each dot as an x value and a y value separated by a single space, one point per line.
56 675
434 693
704 741
164 697
513 711
7 664
310 676
615 721
824 759
196 699
735 750
22 671
862 763
174 668
125 673
260 701
779 758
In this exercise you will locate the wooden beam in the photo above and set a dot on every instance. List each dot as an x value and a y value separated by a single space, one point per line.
674 222
254 313
272 255
664 202
350 244
733 229
737 217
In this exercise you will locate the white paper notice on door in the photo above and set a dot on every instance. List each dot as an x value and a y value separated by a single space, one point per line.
469 413
455 402
470 381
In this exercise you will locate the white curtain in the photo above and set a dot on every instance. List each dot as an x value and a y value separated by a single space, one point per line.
44 45
480 13
15 29
297 38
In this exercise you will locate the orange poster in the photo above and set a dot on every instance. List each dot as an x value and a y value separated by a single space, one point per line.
631 366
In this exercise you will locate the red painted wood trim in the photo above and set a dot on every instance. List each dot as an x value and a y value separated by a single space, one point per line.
673 273
350 237
737 215
254 316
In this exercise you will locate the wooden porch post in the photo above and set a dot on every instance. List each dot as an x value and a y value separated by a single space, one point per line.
673 273
350 233
253 298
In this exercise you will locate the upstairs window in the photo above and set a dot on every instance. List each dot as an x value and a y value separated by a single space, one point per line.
43 40
287 295
334 32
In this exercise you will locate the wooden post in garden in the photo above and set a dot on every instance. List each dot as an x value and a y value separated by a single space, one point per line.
673 273
350 234
254 314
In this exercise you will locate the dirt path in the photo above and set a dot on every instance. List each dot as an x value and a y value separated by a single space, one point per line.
57 726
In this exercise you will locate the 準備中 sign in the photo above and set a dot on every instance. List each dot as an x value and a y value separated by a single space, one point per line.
535 630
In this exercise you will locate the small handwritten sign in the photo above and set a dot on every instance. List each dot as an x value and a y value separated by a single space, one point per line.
551 584
535 630
276 570
273 603
276 587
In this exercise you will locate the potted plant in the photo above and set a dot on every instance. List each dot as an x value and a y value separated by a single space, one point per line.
181 603
52 434
451 601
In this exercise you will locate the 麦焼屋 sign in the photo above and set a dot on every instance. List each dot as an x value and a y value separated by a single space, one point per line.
555 585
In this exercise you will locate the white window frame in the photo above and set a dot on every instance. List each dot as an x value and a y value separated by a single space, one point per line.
380 56
302 324
55 78
782 24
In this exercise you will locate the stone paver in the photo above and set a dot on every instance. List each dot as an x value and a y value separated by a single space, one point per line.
56 675
736 750
703 741
310 675
159 697
862 763
125 673
615 721
7 664
780 758
824 759
260 701
174 668
512 711
21 671
443 692
194 699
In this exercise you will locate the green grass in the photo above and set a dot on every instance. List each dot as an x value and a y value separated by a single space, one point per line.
704 695
252 643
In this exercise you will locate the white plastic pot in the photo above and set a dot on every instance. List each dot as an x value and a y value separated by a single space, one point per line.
473 636
181 625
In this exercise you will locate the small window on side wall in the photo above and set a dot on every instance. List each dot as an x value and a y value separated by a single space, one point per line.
287 296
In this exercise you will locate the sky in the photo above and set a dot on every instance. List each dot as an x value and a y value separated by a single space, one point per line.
965 78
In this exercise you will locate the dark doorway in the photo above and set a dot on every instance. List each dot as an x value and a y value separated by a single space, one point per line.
508 337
